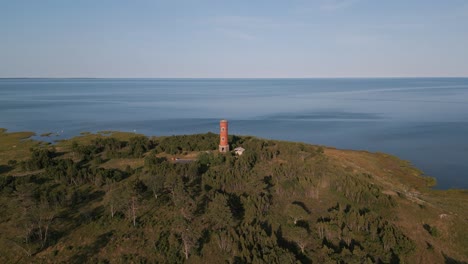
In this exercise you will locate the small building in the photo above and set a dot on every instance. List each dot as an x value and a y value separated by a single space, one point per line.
239 150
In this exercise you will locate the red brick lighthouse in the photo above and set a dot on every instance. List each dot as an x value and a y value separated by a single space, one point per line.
223 136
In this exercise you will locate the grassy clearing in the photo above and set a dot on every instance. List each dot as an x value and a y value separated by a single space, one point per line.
15 146
418 205
122 164
86 138
390 170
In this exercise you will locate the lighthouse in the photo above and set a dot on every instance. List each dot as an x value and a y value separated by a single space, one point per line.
223 136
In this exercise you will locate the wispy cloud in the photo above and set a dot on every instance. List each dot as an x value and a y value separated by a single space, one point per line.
236 34
331 5
395 26
257 23
359 39
246 28
252 27
245 22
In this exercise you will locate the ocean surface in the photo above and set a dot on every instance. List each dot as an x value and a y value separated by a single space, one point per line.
423 120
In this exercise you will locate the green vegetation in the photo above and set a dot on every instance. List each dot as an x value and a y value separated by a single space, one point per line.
432 230
120 197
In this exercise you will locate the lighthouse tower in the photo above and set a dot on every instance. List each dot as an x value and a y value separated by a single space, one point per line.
223 136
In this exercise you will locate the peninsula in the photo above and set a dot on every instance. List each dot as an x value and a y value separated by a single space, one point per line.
122 197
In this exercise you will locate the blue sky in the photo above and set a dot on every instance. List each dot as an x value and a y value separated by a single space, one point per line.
201 38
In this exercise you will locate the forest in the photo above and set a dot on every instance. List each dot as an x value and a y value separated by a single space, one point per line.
117 197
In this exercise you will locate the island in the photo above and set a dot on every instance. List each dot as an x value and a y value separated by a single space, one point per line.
119 197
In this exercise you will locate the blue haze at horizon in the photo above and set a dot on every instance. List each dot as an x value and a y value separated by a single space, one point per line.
423 120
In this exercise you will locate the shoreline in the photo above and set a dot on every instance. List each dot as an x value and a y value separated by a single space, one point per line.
34 137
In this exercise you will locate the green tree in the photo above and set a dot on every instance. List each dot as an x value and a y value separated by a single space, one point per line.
138 146
219 213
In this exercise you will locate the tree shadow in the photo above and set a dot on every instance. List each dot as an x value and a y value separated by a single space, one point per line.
236 206
89 251
291 247
268 180
56 154
330 245
203 240
5 169
87 196
303 224
302 205
266 227
74 218
70 219
235 140
38 179
450 260
202 205
91 215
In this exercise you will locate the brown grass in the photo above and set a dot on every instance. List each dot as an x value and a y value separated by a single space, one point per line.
121 164
420 205
15 145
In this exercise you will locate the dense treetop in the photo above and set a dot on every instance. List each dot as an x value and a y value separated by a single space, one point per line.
121 197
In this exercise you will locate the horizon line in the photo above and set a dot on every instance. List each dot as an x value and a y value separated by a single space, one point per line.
242 78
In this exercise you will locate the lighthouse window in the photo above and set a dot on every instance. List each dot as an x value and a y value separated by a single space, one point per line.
222 129
222 139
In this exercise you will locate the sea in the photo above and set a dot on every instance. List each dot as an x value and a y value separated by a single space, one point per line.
423 120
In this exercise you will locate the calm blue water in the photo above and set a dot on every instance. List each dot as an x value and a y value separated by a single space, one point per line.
424 120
